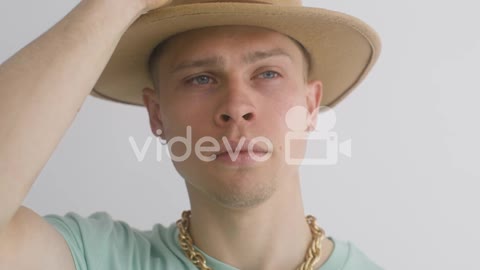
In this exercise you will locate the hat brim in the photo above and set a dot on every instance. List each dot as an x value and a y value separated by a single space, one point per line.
343 49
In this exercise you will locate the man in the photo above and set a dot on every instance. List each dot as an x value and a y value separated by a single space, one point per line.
206 71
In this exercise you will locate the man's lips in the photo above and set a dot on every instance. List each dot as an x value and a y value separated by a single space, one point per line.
241 158
241 147
242 152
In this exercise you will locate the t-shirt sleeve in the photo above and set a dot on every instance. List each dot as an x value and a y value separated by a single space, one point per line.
97 241
359 260
68 226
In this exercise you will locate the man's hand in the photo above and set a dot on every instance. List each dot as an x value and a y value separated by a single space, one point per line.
153 4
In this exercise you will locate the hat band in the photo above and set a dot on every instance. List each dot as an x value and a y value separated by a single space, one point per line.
268 2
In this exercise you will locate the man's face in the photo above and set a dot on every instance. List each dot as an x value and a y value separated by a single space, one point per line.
232 82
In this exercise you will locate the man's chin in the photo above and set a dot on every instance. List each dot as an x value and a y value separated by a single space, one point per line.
243 195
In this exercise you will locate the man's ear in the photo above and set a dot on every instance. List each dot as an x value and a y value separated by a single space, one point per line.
314 98
152 104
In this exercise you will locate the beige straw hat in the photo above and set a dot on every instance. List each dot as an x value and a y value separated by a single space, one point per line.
343 49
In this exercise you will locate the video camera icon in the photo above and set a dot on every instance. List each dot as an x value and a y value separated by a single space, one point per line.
322 135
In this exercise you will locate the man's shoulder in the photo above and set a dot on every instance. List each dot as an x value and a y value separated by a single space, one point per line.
102 226
99 240
347 256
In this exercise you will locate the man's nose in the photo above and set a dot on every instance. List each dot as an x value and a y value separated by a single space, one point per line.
236 107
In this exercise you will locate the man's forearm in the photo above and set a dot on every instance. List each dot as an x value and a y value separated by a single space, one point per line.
43 86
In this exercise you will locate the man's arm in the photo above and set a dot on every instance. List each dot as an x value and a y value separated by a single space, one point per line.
41 89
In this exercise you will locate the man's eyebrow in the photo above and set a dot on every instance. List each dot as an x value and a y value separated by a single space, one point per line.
209 61
260 55
219 60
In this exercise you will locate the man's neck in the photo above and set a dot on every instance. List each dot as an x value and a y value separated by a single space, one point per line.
272 235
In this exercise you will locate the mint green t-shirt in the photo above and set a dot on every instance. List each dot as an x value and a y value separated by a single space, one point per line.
98 242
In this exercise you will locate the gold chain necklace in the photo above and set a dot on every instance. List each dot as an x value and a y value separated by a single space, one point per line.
186 243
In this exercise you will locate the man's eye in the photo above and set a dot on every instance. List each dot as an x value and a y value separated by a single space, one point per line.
270 74
201 80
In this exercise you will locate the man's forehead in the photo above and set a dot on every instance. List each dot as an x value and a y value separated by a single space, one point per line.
202 47
217 60
260 42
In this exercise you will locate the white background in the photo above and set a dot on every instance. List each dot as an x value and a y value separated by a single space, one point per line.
406 197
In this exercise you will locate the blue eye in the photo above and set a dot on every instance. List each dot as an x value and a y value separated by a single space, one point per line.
270 74
201 80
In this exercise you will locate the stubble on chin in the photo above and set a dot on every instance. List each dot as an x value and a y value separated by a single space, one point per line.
235 196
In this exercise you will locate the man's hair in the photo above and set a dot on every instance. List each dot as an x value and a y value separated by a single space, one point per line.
160 48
